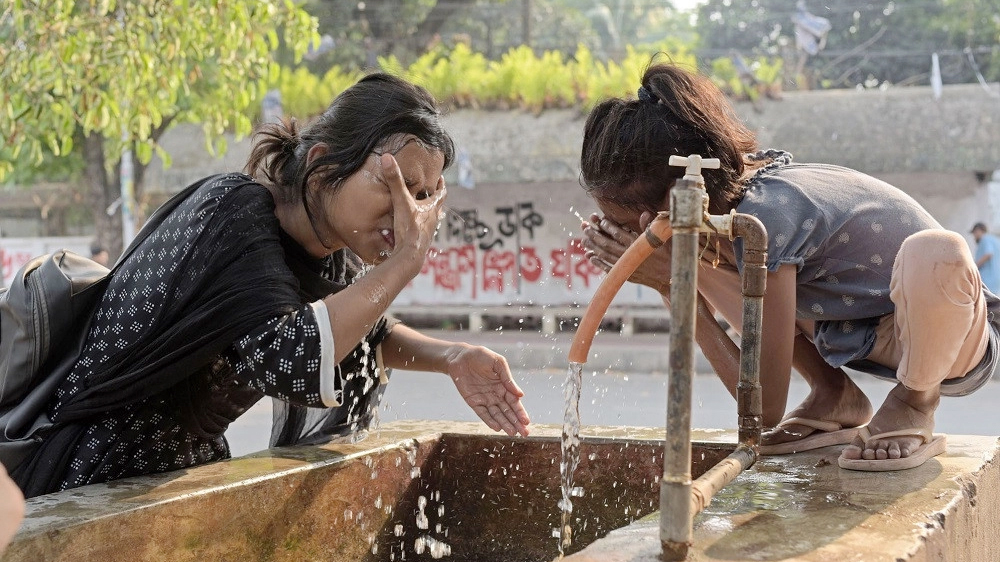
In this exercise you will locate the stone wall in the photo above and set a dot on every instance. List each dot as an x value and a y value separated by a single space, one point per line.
901 130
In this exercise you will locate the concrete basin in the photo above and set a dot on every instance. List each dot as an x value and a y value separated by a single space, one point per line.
410 491
456 491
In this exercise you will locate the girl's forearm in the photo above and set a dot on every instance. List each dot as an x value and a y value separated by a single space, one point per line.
777 342
356 309
720 349
406 348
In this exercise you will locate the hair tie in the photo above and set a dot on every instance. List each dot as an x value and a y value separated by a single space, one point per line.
290 143
645 95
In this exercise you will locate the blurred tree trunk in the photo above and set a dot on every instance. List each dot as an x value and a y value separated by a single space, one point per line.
388 28
103 192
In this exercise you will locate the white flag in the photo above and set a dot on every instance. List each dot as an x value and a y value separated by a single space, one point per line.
935 76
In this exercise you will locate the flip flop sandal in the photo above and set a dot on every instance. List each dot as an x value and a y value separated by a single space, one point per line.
827 434
932 446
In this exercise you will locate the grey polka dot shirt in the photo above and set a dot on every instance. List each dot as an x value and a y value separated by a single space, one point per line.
841 229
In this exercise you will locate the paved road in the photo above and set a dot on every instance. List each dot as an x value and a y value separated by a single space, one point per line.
612 399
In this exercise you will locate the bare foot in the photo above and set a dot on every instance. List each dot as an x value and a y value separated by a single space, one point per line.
843 403
902 409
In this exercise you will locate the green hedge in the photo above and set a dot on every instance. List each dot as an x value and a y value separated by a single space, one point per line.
461 78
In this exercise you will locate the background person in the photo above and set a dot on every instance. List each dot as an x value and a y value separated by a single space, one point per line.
253 285
859 275
99 254
987 257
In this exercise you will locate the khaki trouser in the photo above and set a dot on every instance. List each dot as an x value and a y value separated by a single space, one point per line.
939 330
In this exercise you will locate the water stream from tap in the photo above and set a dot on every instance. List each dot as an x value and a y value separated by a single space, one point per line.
570 451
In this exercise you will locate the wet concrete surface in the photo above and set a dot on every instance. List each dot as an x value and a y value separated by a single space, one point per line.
799 507
805 508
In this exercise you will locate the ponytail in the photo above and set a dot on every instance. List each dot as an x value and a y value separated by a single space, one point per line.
275 157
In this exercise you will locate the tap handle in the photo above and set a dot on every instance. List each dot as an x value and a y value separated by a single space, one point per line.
693 164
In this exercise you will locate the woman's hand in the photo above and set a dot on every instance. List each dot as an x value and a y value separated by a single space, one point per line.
606 241
484 380
414 222
11 508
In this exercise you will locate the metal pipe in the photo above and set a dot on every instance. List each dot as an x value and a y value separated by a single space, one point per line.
719 476
748 390
680 498
719 224
749 401
687 209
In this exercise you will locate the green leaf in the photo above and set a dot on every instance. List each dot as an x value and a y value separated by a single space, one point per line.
144 152
53 143
105 117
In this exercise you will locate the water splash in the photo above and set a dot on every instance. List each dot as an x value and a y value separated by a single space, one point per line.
578 215
437 549
363 270
422 522
570 445
411 455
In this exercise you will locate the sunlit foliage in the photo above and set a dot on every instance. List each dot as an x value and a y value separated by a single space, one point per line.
126 70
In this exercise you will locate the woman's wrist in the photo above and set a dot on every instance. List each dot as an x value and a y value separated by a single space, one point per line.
408 260
451 355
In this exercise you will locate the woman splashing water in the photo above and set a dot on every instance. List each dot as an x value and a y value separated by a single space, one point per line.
250 287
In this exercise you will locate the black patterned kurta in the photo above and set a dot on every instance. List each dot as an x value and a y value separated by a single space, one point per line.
281 358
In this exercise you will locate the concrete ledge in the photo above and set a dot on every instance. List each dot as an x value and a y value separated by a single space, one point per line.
493 498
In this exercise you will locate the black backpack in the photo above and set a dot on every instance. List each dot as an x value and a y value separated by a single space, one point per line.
45 317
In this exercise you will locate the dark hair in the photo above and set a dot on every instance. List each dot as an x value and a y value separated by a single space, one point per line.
358 122
627 142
